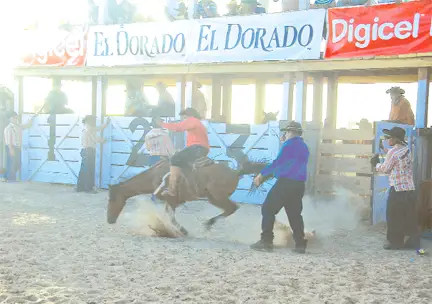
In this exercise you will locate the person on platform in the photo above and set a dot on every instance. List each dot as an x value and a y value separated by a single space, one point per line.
13 141
251 7
206 9
401 210
197 146
158 143
166 104
89 140
56 102
200 101
290 170
401 111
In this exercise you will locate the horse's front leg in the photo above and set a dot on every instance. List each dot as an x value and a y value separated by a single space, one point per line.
171 212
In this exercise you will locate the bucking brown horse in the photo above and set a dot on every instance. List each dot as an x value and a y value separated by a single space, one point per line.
214 181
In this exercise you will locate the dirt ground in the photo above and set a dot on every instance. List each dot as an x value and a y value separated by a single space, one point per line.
56 247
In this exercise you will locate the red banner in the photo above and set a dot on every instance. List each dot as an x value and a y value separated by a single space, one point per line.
59 48
380 30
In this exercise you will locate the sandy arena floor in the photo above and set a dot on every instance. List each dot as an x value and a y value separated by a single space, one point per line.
57 248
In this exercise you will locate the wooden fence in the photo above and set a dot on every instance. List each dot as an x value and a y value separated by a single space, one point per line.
51 150
339 157
344 163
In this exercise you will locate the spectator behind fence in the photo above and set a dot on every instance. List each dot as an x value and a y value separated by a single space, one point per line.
56 101
401 111
251 7
13 141
343 3
158 143
176 10
200 102
233 8
205 9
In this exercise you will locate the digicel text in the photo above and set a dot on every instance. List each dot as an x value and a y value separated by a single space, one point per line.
363 34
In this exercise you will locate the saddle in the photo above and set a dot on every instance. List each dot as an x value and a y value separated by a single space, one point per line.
189 180
190 177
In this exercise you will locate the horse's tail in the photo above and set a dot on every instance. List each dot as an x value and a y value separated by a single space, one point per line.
251 167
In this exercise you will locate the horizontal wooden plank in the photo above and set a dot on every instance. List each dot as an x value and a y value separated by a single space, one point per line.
325 183
67 143
130 172
54 178
61 119
60 131
41 154
346 134
53 167
346 149
339 164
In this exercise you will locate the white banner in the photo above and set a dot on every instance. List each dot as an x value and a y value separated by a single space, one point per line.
283 36
139 43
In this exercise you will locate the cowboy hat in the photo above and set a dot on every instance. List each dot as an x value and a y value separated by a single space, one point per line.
396 133
161 84
292 126
190 112
88 118
397 90
12 114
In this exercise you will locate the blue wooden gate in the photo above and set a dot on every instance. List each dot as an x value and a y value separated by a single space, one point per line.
380 181
233 143
51 149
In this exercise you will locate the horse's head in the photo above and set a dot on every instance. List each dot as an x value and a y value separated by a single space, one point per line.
116 203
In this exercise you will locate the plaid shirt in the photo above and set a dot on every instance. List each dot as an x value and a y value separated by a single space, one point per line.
158 143
398 166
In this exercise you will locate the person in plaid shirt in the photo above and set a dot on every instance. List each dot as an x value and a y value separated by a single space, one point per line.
401 215
158 143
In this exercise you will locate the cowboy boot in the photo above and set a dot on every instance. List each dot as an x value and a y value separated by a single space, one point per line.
300 246
173 181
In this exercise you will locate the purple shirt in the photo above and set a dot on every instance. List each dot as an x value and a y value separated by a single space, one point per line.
291 162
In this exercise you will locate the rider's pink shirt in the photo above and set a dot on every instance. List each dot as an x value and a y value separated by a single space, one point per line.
196 132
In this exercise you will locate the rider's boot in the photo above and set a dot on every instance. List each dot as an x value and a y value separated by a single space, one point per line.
173 182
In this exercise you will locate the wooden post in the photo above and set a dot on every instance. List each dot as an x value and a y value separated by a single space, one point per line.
18 95
422 98
332 100
180 102
421 171
189 93
287 98
99 85
317 99
216 98
303 5
227 100
259 101
191 8
301 94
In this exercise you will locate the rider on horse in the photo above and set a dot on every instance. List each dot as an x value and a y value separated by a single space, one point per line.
197 146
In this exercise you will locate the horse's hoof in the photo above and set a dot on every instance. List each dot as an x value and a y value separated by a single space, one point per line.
184 231
209 224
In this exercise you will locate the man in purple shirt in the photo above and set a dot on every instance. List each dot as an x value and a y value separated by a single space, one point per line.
290 170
